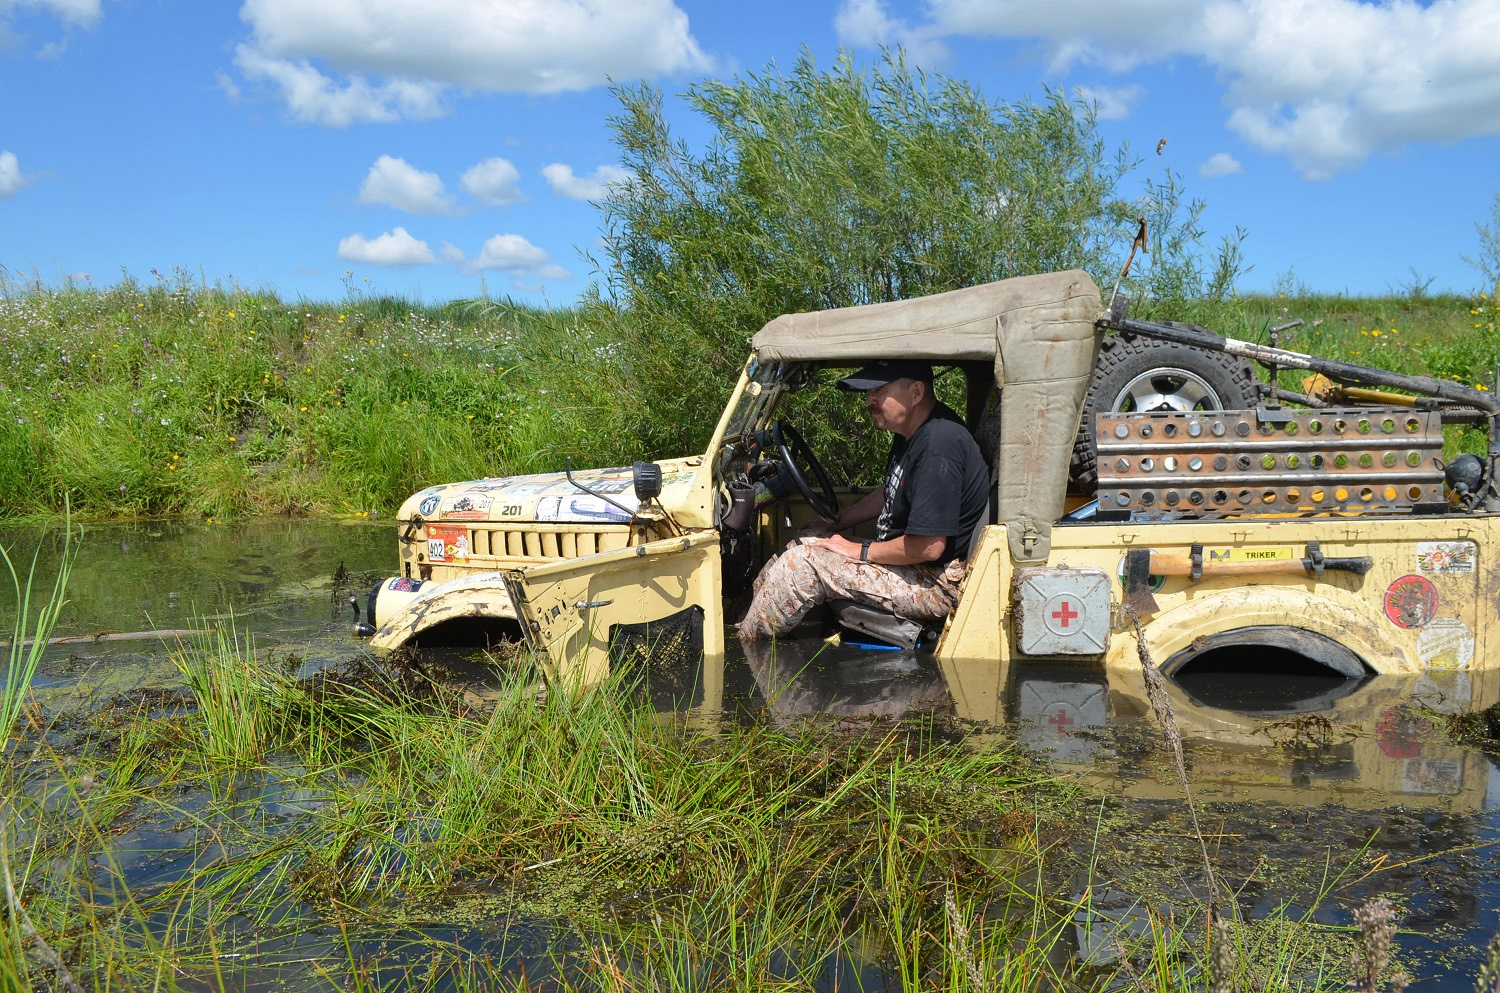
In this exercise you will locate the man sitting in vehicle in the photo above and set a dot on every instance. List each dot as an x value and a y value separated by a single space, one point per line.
936 491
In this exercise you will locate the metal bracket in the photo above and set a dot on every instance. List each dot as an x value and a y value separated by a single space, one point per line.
1197 573
1314 560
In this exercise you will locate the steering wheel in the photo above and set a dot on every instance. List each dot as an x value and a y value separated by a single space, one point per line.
798 461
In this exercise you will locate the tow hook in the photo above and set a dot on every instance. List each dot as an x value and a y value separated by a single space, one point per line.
362 629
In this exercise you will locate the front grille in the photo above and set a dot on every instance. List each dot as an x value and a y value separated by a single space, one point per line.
542 544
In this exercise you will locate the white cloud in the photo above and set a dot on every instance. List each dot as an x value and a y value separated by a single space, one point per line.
493 182
593 187
394 182
1327 83
74 13
392 248
536 46
514 254
318 99
865 23
1113 102
1220 164
11 177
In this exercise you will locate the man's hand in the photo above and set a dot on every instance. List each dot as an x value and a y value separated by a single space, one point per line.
838 543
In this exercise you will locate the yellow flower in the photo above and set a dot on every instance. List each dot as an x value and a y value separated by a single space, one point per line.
231 313
304 409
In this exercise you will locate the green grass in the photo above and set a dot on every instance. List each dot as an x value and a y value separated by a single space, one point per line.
371 830
175 397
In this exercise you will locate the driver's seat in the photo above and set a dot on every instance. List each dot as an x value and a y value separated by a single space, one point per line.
881 625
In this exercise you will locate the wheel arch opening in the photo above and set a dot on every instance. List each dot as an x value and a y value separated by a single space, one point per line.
1267 670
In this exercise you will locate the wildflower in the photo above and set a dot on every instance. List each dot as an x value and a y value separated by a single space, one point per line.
304 410
233 438
165 421
231 313
122 487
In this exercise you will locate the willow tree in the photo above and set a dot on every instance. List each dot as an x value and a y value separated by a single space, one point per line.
829 188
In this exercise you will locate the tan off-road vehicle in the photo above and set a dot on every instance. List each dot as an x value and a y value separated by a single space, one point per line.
1217 515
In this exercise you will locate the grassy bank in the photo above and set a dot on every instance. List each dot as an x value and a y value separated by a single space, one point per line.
172 397
370 830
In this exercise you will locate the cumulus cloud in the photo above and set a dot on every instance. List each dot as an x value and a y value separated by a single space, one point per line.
513 254
1327 83
392 248
592 187
74 13
315 98
11 177
494 182
1220 164
394 182
1113 102
421 48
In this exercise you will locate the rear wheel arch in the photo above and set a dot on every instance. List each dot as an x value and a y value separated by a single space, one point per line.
1216 616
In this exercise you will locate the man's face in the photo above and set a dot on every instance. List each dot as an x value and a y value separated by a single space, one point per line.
891 406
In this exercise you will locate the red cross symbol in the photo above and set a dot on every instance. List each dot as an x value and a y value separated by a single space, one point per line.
1065 613
1061 721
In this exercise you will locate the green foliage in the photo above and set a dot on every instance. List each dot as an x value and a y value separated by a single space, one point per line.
1487 261
187 398
830 189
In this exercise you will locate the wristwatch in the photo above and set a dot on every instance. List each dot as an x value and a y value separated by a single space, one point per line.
864 551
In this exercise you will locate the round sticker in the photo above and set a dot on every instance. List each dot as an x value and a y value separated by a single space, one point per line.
428 506
1446 643
1411 601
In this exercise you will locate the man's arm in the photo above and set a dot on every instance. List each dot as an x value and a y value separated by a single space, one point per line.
866 508
905 549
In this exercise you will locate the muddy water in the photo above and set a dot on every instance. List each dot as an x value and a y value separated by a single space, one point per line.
1293 782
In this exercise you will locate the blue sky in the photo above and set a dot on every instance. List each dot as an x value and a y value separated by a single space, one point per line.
427 145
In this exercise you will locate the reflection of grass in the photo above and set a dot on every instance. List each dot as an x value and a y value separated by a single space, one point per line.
348 822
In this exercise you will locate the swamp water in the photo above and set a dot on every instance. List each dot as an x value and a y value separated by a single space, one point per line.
1309 805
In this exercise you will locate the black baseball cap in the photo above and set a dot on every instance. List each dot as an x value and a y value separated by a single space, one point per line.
878 374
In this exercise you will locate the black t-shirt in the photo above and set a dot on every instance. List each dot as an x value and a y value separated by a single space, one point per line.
936 483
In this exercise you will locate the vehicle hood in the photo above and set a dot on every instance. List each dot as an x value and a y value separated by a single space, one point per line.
547 496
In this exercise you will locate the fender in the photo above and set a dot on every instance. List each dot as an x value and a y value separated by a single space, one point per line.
1333 613
400 617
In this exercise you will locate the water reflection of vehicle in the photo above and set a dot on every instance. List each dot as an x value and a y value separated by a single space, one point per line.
1380 741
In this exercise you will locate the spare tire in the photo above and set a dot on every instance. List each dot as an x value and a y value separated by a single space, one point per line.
1137 373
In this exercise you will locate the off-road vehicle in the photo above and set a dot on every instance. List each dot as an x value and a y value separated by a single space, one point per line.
1216 514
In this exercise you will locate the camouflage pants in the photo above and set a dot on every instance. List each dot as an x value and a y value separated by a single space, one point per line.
804 576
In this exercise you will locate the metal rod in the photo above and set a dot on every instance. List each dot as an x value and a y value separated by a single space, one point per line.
1341 371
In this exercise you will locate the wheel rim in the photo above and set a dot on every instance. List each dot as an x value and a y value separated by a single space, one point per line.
1167 388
